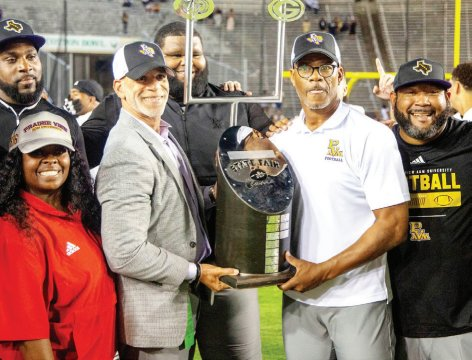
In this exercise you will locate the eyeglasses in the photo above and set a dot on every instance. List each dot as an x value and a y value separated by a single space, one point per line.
305 71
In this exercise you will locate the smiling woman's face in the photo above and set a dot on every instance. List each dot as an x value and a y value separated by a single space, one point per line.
46 170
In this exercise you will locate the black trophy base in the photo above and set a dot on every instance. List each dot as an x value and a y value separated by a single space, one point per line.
244 281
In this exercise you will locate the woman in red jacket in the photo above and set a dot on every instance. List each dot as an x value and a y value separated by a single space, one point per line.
57 298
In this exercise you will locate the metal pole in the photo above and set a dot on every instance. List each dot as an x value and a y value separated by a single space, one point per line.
262 60
245 72
70 66
65 26
188 60
233 116
457 33
407 51
280 60
277 97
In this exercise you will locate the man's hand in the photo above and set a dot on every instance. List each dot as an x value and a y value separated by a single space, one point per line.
385 86
231 86
308 275
278 127
210 276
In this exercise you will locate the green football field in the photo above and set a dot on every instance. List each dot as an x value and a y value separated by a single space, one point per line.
270 300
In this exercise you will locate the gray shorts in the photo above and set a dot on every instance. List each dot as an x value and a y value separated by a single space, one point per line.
457 347
361 332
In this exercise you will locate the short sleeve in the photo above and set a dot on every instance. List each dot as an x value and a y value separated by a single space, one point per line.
23 310
381 170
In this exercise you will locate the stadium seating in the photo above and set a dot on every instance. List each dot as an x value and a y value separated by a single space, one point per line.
383 29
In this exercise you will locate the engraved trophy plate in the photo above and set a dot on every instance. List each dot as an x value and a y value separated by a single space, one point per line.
255 190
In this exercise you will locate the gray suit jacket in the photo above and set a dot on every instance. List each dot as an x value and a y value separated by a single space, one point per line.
149 234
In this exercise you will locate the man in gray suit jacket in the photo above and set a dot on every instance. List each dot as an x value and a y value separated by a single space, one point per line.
152 208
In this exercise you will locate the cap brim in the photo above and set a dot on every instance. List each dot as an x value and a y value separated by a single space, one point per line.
442 83
315 51
81 89
33 145
142 69
36 40
86 91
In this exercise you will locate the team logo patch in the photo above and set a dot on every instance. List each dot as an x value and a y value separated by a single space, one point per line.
71 248
12 25
417 161
423 67
146 50
417 233
334 152
316 39
13 140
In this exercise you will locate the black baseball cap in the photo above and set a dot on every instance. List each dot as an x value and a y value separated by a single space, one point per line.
16 30
315 42
89 87
136 59
420 70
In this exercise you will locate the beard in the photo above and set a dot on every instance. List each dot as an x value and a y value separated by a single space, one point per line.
77 106
414 132
22 99
199 84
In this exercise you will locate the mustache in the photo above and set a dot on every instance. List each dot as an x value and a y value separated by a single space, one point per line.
27 77
317 88
423 110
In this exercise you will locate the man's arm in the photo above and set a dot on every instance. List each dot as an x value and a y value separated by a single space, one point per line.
125 186
385 85
36 349
278 127
257 118
389 230
211 274
383 90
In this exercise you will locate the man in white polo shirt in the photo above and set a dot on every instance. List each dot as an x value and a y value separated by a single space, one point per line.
352 209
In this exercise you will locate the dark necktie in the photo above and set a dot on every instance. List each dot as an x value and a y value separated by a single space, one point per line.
203 245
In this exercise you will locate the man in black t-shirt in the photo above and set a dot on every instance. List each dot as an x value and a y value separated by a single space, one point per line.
431 271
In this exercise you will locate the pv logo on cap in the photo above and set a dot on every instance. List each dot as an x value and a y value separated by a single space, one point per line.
146 50
423 67
13 26
13 140
317 39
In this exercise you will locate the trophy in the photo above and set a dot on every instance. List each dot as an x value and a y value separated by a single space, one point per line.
255 190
